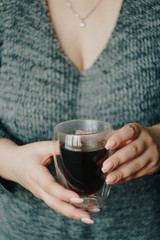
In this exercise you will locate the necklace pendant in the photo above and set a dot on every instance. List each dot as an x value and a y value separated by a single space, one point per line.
82 24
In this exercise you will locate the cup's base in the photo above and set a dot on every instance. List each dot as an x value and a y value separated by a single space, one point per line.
90 204
94 201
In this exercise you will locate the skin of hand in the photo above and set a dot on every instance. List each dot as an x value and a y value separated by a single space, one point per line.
137 155
27 165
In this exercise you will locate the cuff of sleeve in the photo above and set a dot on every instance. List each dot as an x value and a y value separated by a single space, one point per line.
9 185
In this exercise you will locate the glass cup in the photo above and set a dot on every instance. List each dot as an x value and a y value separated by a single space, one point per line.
81 155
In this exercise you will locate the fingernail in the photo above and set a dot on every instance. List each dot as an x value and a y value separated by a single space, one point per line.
76 200
111 143
107 167
87 220
111 179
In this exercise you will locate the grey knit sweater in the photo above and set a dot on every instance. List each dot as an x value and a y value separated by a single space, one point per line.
40 87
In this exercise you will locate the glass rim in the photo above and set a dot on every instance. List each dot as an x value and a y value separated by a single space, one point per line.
82 119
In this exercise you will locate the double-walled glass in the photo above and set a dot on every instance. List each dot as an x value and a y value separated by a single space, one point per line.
81 155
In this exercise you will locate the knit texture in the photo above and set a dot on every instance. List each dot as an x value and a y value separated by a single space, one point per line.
40 87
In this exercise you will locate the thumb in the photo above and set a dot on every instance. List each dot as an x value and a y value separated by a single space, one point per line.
46 149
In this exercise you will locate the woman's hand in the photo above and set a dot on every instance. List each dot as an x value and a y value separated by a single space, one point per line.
27 166
138 153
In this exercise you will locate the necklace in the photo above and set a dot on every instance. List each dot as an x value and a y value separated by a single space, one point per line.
82 23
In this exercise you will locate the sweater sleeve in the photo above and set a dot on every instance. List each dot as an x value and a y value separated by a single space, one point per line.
8 185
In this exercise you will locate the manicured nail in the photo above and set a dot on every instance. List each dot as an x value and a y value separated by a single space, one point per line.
87 220
111 143
76 200
107 167
111 179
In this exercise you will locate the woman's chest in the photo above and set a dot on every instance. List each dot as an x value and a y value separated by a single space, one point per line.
83 45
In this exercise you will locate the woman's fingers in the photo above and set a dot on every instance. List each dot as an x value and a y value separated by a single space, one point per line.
46 181
129 132
62 207
33 174
67 210
149 169
139 155
129 169
56 196
128 152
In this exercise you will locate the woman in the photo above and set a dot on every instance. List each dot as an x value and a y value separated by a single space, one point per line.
64 60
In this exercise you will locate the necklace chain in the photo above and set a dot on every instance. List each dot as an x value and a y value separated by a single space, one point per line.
82 19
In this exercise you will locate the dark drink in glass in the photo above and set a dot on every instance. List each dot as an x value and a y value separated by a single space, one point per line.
81 155
82 169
